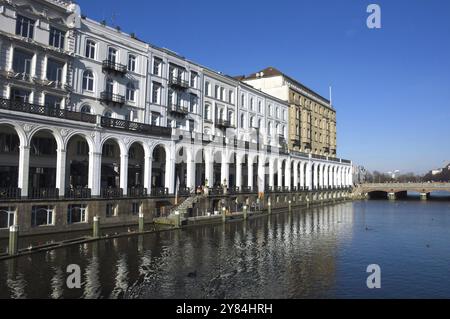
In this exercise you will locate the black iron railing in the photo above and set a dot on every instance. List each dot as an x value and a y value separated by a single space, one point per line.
43 193
20 106
317 156
137 192
111 192
77 192
218 190
110 97
142 128
345 161
10 193
184 191
176 108
113 66
159 191
177 81
223 123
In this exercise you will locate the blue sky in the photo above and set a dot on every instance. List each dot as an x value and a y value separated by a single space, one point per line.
391 87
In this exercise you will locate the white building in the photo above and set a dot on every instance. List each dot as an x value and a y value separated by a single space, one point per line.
88 111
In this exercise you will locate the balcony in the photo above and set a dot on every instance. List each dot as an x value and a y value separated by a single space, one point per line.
178 109
43 193
10 193
146 129
78 193
137 192
111 192
19 106
109 97
159 192
224 124
111 66
178 82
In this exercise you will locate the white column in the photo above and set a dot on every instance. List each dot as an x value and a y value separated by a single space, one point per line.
320 175
330 176
302 174
124 173
339 181
250 173
24 168
315 176
296 175
325 176
225 172
148 160
61 171
287 175
209 171
169 181
271 174
308 175
190 174
261 175
350 178
238 172
280 173
95 173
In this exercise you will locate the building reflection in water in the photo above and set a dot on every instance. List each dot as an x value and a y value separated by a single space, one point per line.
283 255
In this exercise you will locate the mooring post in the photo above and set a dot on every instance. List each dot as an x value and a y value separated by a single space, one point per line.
141 222
13 240
245 212
96 227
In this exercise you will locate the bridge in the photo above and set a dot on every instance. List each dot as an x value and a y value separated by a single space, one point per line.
399 190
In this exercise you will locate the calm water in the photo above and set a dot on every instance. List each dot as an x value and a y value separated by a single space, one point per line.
320 253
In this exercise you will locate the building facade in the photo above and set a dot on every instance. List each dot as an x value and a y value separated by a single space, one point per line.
312 119
94 121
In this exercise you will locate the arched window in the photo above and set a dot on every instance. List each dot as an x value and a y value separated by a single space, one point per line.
260 124
130 92
242 100
251 104
269 129
252 122
88 81
277 129
242 120
86 109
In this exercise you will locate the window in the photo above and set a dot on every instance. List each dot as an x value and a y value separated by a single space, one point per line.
222 94
112 55
90 49
76 213
231 97
277 113
56 38
156 93
110 210
242 100
131 63
252 122
9 143
86 109
259 107
24 27
157 63
41 215
269 129
53 102
55 72
22 63
207 112
216 92
207 89
242 121
20 95
269 110
6 217
109 86
108 114
194 77
251 104
130 92
88 81
193 100
155 118
135 208
82 148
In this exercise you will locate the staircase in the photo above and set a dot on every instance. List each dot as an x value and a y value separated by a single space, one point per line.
187 203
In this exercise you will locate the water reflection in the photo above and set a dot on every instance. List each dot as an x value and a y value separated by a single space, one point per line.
312 253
